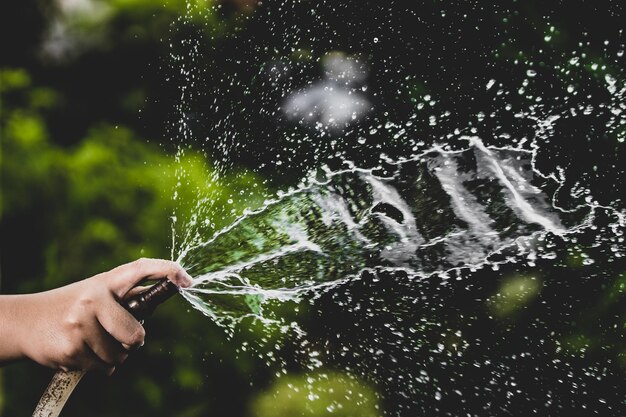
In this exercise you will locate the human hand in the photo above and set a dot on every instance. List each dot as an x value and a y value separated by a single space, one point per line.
82 325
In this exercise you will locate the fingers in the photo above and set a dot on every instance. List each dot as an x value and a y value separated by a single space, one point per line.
94 363
123 278
102 347
121 325
109 350
83 358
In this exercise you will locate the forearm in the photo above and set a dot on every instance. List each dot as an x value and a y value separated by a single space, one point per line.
10 323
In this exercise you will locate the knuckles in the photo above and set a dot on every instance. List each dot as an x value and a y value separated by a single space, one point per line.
74 323
86 302
70 352
79 313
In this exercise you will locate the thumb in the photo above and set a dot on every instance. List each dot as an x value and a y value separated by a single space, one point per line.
123 278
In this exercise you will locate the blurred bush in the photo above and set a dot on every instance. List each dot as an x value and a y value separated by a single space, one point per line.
515 293
104 201
317 395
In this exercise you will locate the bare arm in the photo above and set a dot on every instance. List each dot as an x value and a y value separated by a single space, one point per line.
81 325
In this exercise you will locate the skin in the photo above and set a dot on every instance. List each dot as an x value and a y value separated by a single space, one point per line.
81 325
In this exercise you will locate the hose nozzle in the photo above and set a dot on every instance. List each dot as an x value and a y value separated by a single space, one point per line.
142 305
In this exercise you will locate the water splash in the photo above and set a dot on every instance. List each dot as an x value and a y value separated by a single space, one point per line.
433 214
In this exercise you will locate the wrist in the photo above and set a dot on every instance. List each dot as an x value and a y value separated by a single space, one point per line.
11 327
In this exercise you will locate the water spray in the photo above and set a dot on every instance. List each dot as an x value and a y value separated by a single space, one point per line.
63 383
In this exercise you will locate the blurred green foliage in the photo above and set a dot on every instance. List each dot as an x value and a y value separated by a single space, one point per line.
107 200
318 395
515 293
